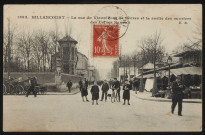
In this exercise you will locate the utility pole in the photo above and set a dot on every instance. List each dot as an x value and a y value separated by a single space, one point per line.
134 63
9 48
129 66
155 89
126 68
124 71
141 80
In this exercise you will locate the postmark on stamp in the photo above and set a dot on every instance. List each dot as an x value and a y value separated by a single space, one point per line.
106 40
109 26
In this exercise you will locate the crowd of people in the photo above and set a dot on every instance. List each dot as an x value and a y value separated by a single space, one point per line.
114 86
177 92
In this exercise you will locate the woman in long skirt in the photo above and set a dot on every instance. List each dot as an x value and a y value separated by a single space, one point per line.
126 94
95 93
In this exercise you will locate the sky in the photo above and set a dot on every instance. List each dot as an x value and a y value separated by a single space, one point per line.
173 33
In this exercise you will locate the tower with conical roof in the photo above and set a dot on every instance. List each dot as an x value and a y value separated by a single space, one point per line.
68 54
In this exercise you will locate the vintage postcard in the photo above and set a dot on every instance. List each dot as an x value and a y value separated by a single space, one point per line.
102 68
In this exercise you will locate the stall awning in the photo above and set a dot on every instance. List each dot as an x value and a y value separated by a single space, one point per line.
150 75
187 71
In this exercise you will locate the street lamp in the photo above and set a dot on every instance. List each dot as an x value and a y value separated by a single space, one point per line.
169 61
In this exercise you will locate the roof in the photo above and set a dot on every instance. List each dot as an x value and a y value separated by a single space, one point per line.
148 75
149 66
187 71
82 55
176 72
68 39
187 48
187 52
174 59
165 67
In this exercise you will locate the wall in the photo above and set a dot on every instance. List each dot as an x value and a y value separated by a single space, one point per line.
49 78
42 77
65 78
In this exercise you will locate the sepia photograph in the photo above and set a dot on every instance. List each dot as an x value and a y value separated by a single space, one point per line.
102 68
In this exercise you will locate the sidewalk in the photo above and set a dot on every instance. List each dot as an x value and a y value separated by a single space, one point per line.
73 92
148 96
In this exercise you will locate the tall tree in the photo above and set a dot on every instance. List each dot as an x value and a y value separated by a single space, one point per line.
42 38
54 37
152 50
25 42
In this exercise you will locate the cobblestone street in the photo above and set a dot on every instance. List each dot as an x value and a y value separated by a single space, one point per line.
69 113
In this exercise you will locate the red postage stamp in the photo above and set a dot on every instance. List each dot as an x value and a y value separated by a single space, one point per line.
105 40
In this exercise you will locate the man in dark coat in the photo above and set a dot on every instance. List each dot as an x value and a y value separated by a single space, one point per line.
136 85
110 83
69 85
177 95
86 82
126 94
131 83
84 91
80 84
105 88
116 86
95 93
32 83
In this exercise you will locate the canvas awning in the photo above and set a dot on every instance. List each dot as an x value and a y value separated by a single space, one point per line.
187 71
150 75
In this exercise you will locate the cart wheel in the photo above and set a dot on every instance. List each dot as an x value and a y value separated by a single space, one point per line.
11 89
4 89
19 89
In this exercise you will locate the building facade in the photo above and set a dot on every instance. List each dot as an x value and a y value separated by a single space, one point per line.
65 61
82 65
68 54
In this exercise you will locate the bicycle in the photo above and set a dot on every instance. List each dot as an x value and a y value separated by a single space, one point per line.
4 89
114 95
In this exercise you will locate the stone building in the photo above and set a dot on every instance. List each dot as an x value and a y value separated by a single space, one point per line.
82 65
66 58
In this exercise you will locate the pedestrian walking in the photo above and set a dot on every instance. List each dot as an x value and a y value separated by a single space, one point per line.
69 85
126 94
131 83
177 95
80 84
86 82
84 91
135 85
116 86
95 93
105 88
32 84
